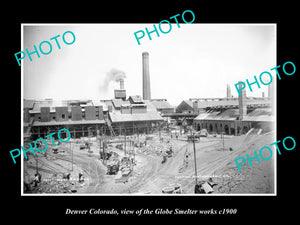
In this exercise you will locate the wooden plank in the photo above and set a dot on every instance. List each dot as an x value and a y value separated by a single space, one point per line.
207 188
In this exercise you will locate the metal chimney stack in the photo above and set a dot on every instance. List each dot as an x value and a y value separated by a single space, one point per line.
146 77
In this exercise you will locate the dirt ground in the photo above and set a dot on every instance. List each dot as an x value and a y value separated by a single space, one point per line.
150 175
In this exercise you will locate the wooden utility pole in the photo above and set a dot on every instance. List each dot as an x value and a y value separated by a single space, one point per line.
195 161
72 155
222 137
99 148
159 132
104 142
125 143
36 165
138 136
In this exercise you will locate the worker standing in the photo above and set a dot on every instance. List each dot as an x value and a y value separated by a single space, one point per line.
81 178
37 178
186 157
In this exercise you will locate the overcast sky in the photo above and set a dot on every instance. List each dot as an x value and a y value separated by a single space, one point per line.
195 60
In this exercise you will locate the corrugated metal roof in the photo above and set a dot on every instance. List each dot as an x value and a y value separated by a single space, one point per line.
97 102
161 104
184 105
261 114
150 106
47 103
136 99
229 114
108 103
69 122
151 114
37 104
188 104
28 103
117 116
203 116
119 102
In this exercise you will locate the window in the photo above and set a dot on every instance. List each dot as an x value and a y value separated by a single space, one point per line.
63 116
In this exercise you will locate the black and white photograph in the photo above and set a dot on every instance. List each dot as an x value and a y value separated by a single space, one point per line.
149 112
141 109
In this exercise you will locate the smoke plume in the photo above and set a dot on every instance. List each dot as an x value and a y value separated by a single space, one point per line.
113 75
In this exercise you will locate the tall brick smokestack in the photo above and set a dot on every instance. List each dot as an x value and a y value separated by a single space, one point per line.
228 91
242 103
146 77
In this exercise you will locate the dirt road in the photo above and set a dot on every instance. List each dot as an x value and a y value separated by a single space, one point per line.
150 175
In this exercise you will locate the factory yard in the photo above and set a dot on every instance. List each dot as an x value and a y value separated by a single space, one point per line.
133 144
152 169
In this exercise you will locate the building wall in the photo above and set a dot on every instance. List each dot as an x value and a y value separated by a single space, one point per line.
90 113
52 115
184 107
62 113
138 109
45 114
37 116
128 128
26 115
77 131
166 111
265 126
100 112
76 113
125 110
231 127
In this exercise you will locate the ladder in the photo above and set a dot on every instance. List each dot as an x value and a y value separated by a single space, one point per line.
28 128
111 130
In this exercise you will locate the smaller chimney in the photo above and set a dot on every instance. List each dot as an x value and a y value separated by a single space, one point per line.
121 84
120 93
195 106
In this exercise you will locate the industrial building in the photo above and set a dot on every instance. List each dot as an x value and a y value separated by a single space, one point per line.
131 115
136 114
163 106
142 158
227 114
233 116
82 118
89 118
